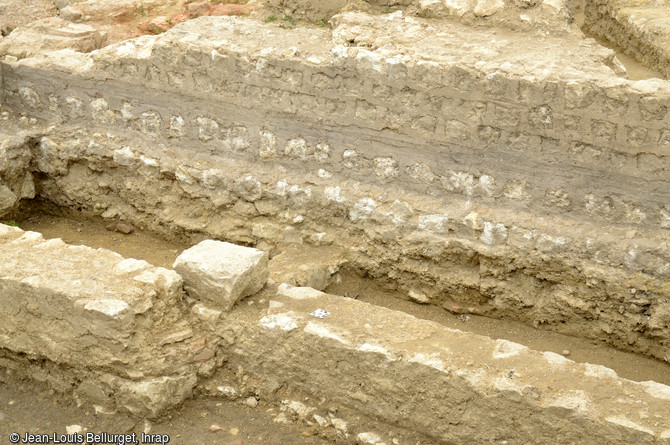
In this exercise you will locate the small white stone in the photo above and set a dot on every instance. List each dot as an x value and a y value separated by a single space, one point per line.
130 265
434 223
362 209
115 309
368 438
324 174
506 348
322 421
73 429
282 321
124 156
419 297
333 194
204 313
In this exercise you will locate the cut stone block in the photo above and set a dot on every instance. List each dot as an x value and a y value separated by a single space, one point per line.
221 272
51 34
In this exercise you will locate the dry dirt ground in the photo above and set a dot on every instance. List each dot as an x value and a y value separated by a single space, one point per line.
14 13
29 407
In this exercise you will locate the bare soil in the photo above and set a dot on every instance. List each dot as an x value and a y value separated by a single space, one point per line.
80 230
29 407
626 364
15 13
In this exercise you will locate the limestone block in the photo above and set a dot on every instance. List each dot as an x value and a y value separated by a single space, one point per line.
152 396
51 34
222 272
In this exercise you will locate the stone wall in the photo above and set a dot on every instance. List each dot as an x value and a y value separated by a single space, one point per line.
117 334
94 324
589 147
542 17
451 386
524 185
639 29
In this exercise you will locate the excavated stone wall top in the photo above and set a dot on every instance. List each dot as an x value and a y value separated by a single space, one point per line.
411 372
536 16
641 29
61 300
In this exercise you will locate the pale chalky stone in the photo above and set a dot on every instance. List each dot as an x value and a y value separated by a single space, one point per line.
222 272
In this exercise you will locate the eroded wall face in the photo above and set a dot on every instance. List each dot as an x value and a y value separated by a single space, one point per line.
544 198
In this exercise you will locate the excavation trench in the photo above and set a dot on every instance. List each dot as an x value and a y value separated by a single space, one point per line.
634 64
520 196
78 229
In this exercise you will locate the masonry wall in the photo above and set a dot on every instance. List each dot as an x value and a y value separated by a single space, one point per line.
540 197
595 149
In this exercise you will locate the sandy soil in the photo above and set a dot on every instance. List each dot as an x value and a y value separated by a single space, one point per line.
94 233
